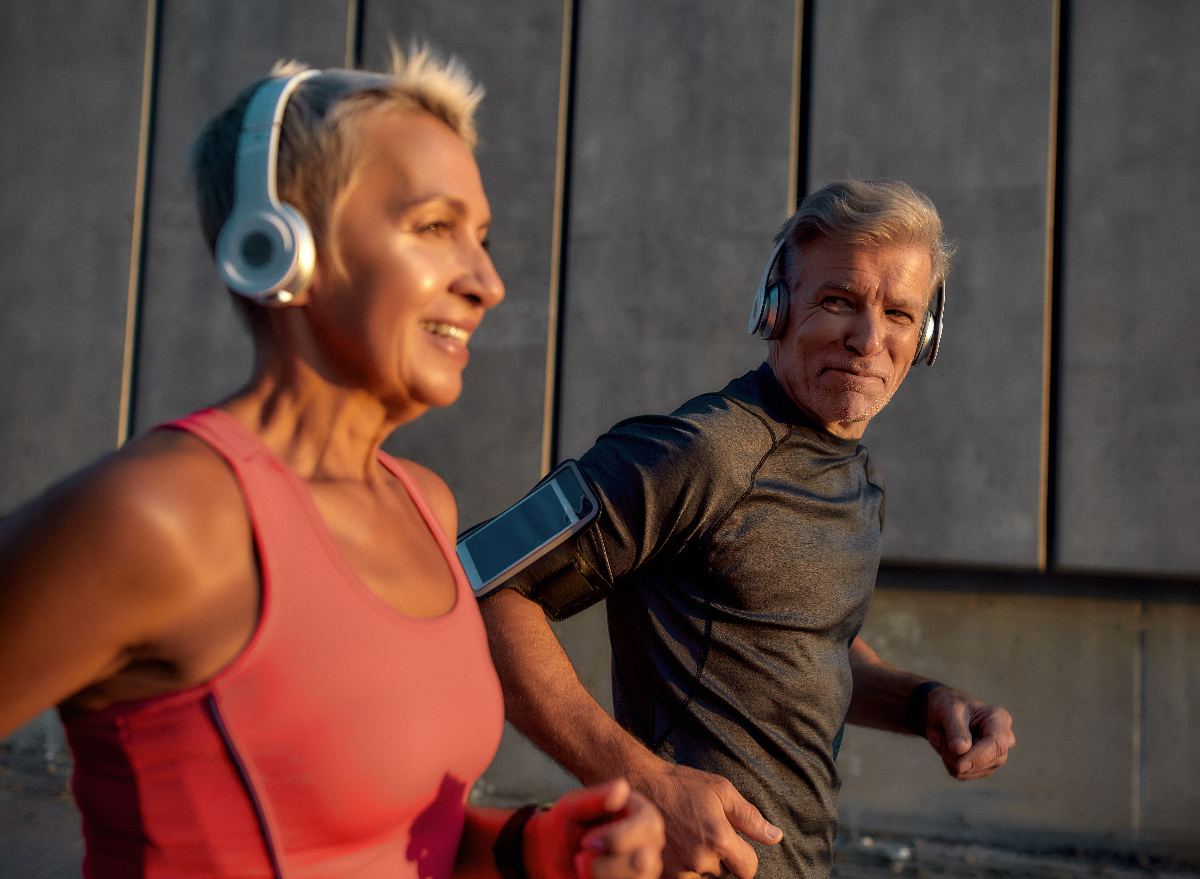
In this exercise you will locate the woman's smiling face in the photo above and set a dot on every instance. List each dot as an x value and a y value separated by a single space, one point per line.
406 277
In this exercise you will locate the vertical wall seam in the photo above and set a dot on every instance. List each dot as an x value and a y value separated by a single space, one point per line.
1048 498
558 242
1138 747
354 34
137 252
801 104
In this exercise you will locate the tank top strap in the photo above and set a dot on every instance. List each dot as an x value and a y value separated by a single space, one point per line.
223 432
277 501
238 445
444 540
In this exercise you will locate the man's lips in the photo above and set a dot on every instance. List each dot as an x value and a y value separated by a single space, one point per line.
850 371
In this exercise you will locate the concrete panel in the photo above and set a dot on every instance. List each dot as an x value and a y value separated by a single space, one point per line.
953 97
1170 801
1128 461
72 74
488 445
679 180
1067 669
193 349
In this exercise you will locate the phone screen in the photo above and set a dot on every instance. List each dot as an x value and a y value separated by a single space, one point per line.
534 523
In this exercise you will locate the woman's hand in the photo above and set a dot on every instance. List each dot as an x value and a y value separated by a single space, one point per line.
605 832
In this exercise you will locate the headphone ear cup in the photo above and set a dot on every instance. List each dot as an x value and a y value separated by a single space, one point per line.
927 327
930 340
776 311
768 314
266 254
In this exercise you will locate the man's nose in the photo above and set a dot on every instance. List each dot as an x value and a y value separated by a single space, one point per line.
865 334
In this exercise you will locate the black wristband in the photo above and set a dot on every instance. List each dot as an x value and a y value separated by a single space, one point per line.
510 859
918 699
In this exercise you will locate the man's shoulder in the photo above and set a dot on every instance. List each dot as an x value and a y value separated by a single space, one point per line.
744 404
710 445
734 419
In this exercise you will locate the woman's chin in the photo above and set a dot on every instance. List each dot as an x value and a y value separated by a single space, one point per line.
439 395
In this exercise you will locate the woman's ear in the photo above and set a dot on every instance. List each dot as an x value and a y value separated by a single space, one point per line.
326 274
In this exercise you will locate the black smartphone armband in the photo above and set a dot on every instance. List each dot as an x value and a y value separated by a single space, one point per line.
562 582
533 546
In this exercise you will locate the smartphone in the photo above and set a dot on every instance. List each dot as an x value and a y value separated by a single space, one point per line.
559 506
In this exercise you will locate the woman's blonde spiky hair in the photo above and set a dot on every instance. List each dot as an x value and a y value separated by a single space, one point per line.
443 88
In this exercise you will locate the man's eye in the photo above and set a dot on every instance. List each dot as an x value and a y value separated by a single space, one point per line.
438 227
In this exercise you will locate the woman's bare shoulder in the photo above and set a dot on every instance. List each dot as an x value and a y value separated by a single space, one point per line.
437 492
161 481
121 555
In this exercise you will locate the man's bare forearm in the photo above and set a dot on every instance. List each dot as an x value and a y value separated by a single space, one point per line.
881 691
972 737
545 700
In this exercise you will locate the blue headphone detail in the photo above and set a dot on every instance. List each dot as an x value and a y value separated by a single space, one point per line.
768 314
265 250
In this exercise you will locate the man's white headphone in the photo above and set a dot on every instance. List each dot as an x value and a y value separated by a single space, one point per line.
768 314
265 250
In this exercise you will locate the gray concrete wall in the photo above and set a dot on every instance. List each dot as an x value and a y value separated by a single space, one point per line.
66 221
678 181
1103 689
1010 463
1130 314
955 101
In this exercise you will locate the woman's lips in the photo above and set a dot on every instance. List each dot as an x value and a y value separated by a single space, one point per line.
449 331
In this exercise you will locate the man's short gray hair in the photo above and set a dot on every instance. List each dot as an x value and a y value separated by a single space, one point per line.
871 212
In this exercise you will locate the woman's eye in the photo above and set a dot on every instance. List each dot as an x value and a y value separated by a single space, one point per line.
438 227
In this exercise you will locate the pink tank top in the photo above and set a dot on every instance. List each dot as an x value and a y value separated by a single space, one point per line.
341 743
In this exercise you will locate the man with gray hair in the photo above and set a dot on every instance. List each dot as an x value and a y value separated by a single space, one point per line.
741 537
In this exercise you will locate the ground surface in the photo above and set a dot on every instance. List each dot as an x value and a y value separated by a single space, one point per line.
39 826
39 839
872 858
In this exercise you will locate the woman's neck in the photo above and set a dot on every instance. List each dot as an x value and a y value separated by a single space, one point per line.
323 431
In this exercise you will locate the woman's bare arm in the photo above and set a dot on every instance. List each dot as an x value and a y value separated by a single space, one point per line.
123 581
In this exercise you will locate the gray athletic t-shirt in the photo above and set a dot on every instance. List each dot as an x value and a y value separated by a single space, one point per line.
742 541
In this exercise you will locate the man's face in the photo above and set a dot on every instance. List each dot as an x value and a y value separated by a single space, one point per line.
854 317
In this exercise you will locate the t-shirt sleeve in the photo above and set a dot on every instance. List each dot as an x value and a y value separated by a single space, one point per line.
663 481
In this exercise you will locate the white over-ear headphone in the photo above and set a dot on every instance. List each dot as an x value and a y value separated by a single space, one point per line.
265 250
768 314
